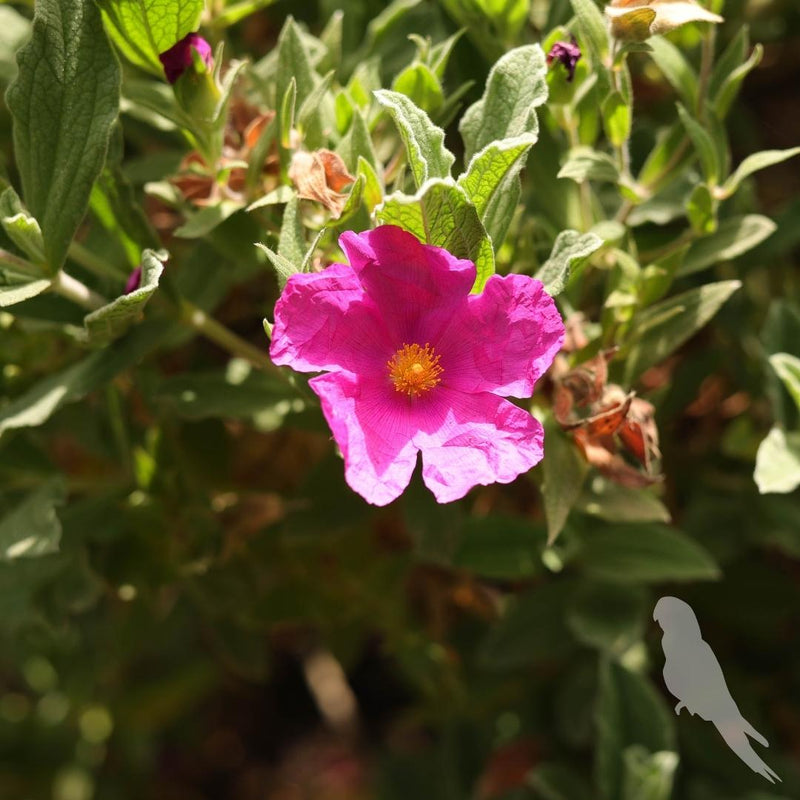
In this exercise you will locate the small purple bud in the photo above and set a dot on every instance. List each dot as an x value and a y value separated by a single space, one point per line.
568 53
134 280
178 58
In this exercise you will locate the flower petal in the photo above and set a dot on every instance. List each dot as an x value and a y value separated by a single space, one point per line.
503 339
324 321
407 280
481 439
372 432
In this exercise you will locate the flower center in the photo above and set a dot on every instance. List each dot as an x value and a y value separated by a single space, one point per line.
414 370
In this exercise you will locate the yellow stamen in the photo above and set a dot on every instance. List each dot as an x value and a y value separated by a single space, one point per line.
414 370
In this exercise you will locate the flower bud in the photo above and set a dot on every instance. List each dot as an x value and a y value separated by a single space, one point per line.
179 57
568 53
188 65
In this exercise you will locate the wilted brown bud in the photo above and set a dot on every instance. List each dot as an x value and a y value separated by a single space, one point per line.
321 176
637 20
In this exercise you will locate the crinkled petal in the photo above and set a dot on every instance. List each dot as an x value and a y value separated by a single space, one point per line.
324 321
372 431
408 281
476 439
503 339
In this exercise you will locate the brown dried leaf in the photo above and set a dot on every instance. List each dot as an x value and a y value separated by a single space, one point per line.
637 20
319 176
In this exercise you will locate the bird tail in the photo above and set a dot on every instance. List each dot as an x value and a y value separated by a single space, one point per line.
734 734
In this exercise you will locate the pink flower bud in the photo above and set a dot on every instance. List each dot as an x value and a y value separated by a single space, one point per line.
134 281
178 58
568 53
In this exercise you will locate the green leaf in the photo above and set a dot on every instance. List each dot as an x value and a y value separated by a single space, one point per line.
607 616
754 163
424 142
778 462
585 164
663 328
648 776
284 269
441 214
629 711
373 191
114 203
353 202
18 292
64 102
781 334
787 368
569 250
612 502
722 101
235 12
731 58
616 119
294 65
564 472
202 222
667 158
701 209
734 237
37 404
357 143
286 114
142 29
703 145
292 240
21 227
515 88
493 169
532 629
381 25
239 392
112 320
32 527
592 28
14 30
419 84
645 553
500 547
312 114
676 69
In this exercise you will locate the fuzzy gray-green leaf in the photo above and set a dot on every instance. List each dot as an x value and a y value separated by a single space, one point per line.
424 141
64 102
516 86
441 214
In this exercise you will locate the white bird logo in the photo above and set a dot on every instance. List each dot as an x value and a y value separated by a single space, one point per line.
693 674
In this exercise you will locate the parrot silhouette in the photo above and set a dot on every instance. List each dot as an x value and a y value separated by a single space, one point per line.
693 675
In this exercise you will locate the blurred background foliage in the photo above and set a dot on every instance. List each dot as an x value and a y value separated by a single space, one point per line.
214 614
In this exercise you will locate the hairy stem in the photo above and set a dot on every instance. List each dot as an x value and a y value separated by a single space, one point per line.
74 290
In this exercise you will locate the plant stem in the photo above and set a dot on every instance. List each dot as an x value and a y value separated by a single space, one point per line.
584 190
20 265
706 63
687 237
74 290
187 313
197 319
97 266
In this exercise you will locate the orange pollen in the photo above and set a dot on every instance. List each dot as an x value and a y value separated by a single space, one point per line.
414 370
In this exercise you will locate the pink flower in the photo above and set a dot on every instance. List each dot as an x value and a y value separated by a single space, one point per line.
134 280
178 58
417 363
